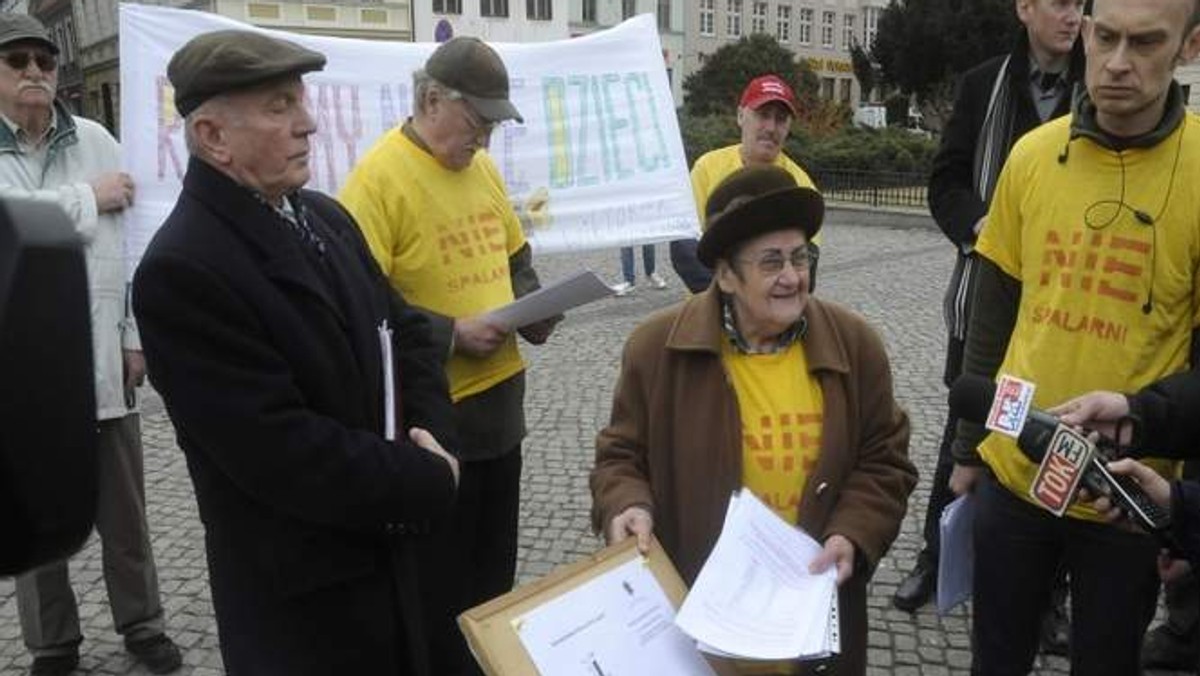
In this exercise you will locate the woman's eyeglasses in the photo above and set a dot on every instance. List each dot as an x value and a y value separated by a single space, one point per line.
772 262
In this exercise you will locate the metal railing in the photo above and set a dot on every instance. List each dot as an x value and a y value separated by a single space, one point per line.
874 188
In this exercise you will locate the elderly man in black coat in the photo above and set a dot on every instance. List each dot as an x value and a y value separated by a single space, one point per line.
288 365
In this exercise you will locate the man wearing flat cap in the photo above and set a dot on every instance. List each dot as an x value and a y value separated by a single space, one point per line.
49 155
306 395
436 214
755 384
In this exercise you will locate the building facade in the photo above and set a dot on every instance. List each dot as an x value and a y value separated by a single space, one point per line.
59 19
821 32
96 29
491 20
591 15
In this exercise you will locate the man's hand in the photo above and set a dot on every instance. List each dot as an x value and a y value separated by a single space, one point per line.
632 521
478 336
114 191
135 369
839 551
964 478
1157 488
539 332
425 440
1099 411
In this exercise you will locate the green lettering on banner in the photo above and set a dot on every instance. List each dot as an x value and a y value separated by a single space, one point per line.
554 96
583 109
615 125
646 162
582 177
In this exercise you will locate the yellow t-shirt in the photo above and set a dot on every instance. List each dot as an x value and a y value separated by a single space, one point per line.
712 168
1107 302
781 408
443 238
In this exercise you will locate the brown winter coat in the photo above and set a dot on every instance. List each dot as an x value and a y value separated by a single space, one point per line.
674 444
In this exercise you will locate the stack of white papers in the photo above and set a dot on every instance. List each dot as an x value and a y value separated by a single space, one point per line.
754 597
956 557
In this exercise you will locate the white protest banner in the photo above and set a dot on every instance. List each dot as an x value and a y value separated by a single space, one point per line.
597 163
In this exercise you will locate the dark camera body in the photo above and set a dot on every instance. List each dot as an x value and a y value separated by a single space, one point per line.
48 459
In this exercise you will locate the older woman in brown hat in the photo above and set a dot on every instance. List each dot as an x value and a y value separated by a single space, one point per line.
755 384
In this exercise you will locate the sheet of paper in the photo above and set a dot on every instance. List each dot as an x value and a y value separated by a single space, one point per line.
754 597
578 289
389 381
956 558
619 623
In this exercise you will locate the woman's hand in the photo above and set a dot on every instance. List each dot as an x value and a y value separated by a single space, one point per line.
634 520
838 551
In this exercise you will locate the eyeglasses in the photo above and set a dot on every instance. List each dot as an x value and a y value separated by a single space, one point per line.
45 61
478 125
772 262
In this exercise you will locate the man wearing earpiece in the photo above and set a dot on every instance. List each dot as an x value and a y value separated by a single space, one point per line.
997 102
1075 292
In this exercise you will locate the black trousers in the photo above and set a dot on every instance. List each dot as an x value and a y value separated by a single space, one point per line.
473 558
940 494
1018 548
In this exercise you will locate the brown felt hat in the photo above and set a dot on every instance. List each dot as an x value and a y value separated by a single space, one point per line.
475 70
754 201
226 60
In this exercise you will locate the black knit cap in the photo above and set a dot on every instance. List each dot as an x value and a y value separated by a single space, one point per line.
754 201
223 61
22 27
476 71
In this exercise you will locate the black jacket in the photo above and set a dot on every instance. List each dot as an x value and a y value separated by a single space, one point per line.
269 363
953 201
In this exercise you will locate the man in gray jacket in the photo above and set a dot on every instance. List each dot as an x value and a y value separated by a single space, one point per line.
47 154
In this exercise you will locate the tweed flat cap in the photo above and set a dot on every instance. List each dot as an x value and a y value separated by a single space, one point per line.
754 201
227 60
475 70
18 27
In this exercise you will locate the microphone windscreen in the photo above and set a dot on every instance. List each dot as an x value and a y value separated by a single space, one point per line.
971 398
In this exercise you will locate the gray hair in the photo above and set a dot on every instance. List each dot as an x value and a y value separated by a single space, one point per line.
424 84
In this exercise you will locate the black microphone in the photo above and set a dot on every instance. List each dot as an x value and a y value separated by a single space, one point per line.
971 399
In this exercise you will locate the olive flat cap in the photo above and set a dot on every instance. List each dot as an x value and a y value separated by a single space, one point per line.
476 71
754 201
22 27
227 60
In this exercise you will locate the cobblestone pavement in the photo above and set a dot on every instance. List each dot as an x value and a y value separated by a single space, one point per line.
893 276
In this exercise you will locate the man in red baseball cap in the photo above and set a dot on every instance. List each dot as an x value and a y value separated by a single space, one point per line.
765 113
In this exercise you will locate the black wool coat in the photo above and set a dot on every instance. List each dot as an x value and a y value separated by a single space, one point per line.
270 365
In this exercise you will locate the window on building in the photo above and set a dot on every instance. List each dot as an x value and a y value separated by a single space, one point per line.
664 15
870 25
589 11
827 21
628 8
706 17
733 18
538 10
827 84
845 85
848 24
758 17
783 24
806 25
447 6
493 8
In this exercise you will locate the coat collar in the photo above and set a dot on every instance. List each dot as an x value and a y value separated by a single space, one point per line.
697 328
64 132
254 222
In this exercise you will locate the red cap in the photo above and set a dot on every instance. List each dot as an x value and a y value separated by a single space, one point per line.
765 89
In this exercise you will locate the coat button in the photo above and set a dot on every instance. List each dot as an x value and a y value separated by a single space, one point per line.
821 487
